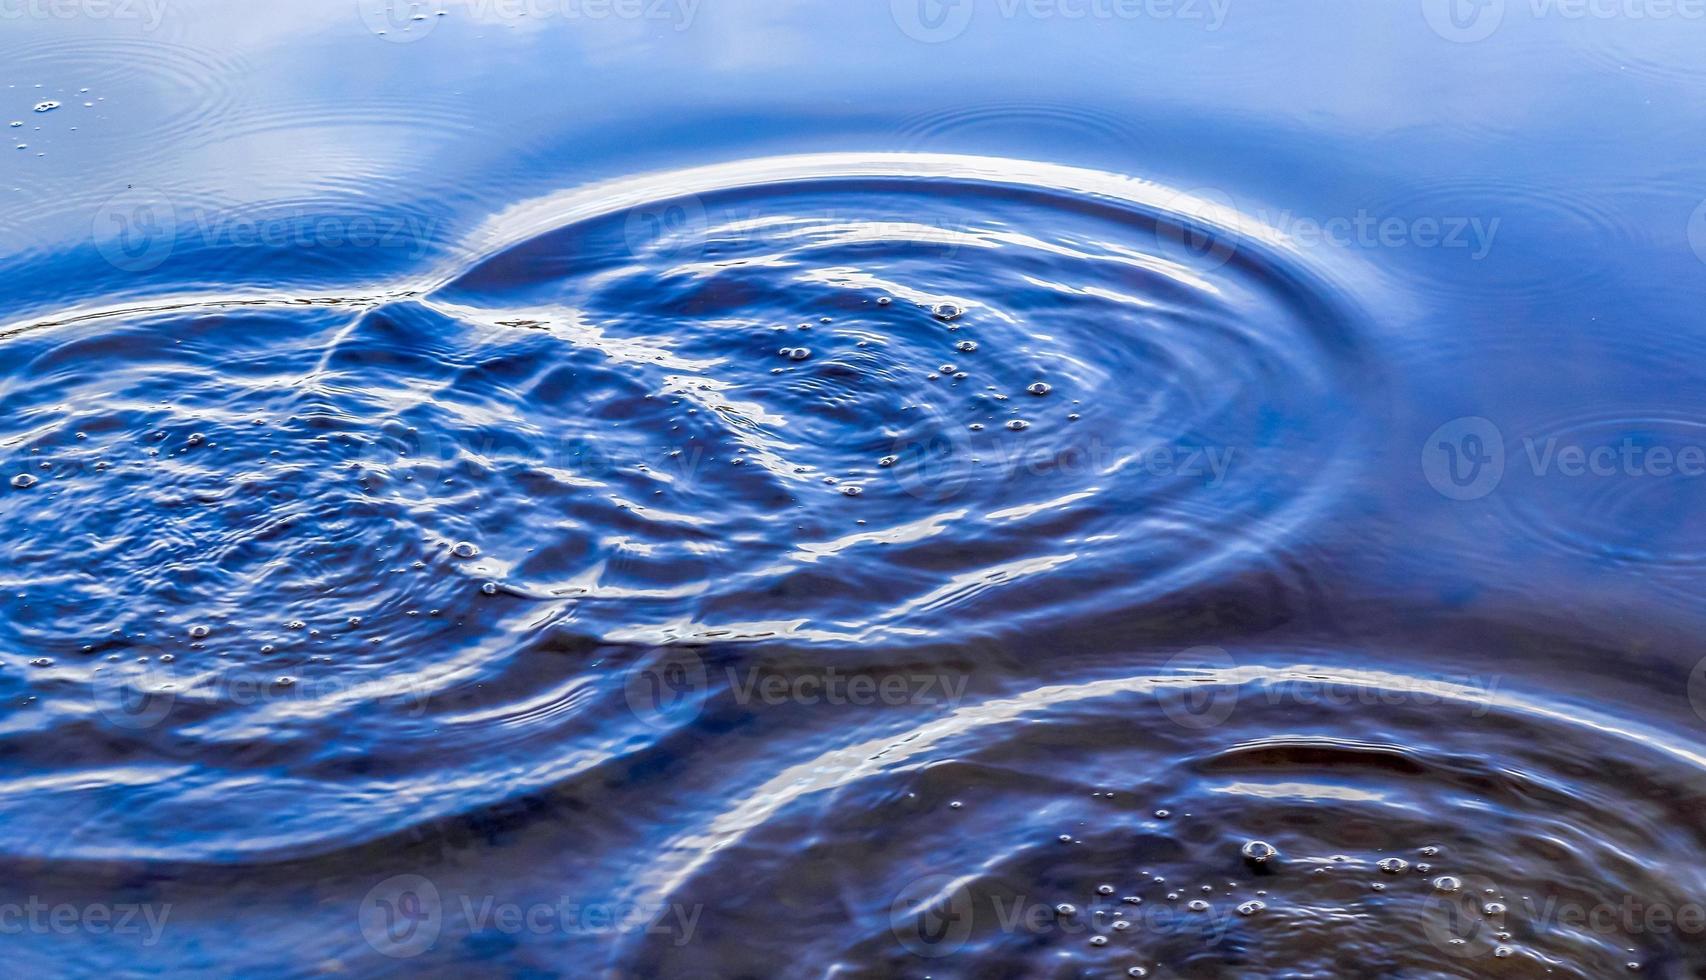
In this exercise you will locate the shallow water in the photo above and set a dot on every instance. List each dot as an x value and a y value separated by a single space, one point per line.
980 489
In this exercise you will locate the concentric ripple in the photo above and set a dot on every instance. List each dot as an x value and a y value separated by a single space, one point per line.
1213 821
821 400
918 391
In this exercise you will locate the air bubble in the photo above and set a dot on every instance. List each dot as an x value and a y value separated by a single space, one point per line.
1040 388
490 588
852 491
1251 907
46 106
1259 852
23 481
1448 884
1393 866
966 346
200 632
465 549
1018 425
947 312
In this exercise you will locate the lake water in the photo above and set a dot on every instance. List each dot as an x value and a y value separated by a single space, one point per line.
931 488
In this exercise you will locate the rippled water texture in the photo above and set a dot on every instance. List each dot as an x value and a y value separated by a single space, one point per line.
1147 513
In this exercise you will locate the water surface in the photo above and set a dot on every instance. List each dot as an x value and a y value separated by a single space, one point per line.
981 489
